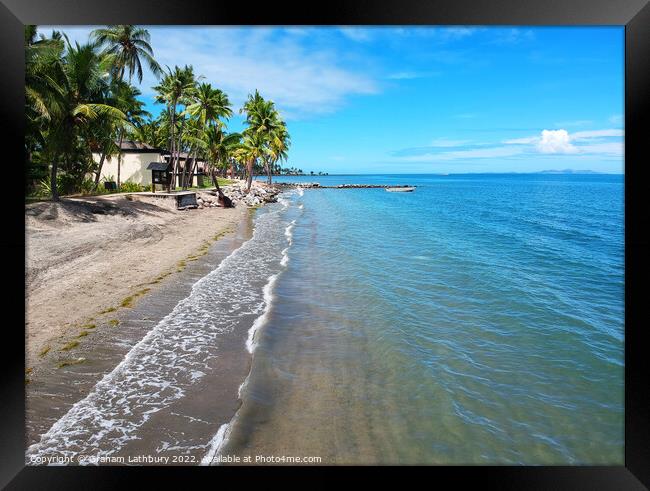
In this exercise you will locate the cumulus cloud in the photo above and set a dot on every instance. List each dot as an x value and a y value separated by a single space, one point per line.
583 145
555 141
301 81
582 142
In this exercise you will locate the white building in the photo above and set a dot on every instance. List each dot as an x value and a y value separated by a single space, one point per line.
136 157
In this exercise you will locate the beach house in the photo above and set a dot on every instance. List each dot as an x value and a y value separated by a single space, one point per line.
136 157
187 164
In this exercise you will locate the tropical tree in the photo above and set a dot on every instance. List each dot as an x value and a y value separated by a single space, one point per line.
264 120
209 105
81 86
126 99
127 46
43 95
176 88
221 148
252 148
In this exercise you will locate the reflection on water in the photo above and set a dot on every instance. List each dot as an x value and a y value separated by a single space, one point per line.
477 320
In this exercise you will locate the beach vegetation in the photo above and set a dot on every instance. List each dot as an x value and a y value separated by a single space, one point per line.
114 322
44 351
66 363
81 101
70 345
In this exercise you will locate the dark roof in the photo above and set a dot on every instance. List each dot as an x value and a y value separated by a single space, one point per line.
139 147
158 166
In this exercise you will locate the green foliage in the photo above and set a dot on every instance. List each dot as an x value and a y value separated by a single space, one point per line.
131 187
80 101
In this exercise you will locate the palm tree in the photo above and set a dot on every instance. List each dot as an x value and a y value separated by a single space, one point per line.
209 105
127 46
126 99
263 118
278 146
82 83
221 148
43 95
176 88
252 148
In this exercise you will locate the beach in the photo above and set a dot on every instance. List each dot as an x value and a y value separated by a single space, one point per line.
280 342
86 256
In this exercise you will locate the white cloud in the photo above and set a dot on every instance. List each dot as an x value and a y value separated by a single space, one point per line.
302 82
403 75
446 142
459 32
513 36
614 149
555 141
580 122
479 153
587 135
358 34
585 145
582 142
616 119
522 141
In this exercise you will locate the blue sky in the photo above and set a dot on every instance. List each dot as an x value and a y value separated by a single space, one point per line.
419 99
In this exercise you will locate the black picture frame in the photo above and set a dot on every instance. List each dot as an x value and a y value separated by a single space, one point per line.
633 14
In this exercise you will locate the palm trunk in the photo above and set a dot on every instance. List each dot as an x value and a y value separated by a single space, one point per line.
119 158
193 170
178 153
55 191
183 175
172 141
215 180
187 179
249 181
99 169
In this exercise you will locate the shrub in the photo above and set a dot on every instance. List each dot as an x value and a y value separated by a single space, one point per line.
130 187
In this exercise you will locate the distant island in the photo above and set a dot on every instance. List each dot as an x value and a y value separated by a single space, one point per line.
567 171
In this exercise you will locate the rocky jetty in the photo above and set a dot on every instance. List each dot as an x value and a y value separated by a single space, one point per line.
258 195
340 186
293 185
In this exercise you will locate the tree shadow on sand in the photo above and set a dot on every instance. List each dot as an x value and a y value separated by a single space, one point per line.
88 209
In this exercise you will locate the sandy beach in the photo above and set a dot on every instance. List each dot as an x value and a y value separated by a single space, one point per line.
87 258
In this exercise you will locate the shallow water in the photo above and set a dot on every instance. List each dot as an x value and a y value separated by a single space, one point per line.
171 391
476 320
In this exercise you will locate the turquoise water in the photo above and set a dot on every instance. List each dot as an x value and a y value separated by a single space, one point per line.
476 320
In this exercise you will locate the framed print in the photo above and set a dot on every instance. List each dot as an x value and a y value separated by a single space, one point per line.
392 235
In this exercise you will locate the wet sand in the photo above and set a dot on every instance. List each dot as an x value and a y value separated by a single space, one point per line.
80 264
86 258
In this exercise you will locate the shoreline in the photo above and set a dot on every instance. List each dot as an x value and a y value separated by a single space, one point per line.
89 258
60 377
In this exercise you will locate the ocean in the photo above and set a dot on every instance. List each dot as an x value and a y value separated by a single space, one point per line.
476 320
